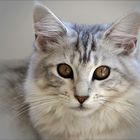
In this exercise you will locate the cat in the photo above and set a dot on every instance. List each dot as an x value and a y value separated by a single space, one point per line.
82 82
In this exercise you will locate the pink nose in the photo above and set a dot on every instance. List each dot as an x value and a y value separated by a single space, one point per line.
81 99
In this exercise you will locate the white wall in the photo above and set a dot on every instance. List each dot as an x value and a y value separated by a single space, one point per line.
16 28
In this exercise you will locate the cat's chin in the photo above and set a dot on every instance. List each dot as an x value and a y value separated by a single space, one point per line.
85 109
82 111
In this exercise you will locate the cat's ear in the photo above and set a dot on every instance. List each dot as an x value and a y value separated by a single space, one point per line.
123 33
48 28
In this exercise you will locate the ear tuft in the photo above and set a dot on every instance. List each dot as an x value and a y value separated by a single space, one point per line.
129 47
40 11
48 28
128 24
46 23
123 33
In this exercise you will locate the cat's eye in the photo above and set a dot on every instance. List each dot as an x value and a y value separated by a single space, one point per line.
101 73
65 70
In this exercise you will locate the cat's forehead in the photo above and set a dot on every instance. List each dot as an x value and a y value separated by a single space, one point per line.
81 46
83 31
85 40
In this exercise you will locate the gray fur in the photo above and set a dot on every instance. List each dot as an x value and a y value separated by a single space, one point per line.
14 117
51 109
87 34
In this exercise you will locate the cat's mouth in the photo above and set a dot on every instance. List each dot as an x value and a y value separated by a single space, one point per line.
84 110
80 108
81 111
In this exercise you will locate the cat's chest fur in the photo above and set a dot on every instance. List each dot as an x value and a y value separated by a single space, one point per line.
85 131
69 127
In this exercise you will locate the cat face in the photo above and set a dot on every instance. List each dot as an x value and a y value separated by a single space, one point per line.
84 71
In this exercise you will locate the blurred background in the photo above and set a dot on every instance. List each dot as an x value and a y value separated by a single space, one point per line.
16 26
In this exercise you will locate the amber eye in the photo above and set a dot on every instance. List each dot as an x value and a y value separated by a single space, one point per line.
101 73
65 70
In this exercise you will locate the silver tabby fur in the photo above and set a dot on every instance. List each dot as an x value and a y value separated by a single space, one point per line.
47 100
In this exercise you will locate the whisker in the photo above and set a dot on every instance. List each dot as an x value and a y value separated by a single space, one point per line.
38 103
114 110
123 115
122 103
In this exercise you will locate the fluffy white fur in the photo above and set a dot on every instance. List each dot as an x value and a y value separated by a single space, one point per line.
109 114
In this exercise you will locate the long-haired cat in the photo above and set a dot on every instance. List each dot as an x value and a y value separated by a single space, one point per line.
82 82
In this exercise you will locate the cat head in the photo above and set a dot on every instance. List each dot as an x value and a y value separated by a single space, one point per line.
84 71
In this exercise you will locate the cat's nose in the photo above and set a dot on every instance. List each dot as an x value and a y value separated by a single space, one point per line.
81 99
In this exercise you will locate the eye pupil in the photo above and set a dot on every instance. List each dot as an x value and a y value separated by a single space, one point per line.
65 70
101 73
